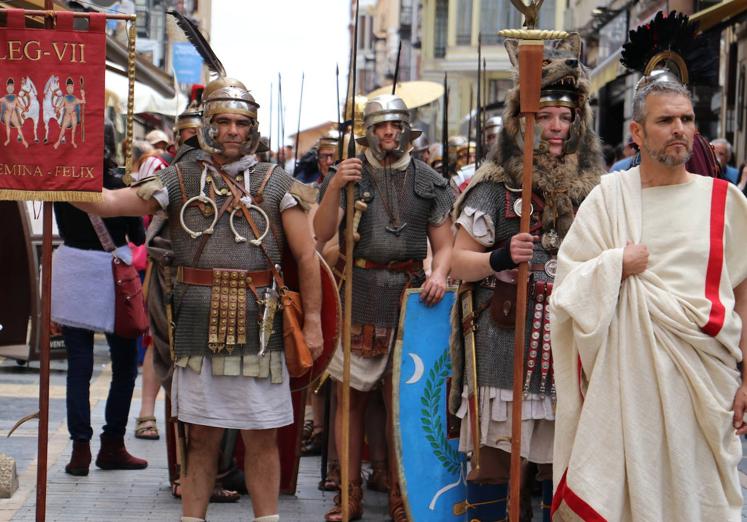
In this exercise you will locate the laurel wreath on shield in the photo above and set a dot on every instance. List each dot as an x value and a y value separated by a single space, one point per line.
431 418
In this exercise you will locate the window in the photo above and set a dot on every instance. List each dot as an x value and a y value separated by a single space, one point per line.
441 28
501 14
464 22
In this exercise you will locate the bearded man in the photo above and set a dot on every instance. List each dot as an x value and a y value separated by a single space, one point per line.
647 317
225 375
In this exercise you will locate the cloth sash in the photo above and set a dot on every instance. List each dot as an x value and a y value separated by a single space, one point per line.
643 420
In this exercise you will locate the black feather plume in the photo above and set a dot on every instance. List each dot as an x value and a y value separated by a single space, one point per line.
672 32
196 38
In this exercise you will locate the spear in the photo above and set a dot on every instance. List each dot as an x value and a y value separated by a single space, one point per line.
347 318
469 123
280 110
269 134
396 68
340 133
298 129
531 51
478 122
445 132
82 114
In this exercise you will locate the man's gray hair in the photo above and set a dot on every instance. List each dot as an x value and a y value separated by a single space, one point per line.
722 141
655 87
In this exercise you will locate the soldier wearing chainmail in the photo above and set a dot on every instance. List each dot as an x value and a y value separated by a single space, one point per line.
406 204
567 165
230 219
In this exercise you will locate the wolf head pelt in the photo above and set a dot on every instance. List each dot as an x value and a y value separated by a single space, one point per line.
563 181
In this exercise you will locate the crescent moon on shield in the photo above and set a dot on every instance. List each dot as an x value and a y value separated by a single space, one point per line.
419 369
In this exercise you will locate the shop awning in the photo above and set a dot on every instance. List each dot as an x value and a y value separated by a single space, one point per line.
719 14
606 71
147 99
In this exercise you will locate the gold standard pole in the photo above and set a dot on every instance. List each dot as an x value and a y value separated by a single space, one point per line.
131 35
531 50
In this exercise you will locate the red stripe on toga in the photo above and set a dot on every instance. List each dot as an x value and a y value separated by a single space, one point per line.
716 258
574 502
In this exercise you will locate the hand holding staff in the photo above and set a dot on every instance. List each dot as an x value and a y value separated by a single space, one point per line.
531 52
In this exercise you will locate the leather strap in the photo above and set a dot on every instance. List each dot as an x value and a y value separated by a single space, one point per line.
205 277
259 196
180 179
236 190
104 236
411 265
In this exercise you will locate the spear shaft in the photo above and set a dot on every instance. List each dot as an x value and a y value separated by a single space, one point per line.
298 128
348 318
445 131
396 68
478 122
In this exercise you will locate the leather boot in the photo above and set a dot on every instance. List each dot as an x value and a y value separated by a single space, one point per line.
114 455
486 502
80 459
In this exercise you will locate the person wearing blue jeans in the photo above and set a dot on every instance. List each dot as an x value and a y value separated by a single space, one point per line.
113 455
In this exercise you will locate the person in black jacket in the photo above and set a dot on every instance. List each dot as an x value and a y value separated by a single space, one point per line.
83 303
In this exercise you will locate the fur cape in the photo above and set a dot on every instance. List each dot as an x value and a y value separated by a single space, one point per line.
563 182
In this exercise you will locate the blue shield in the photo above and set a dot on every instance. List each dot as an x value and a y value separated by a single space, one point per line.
432 471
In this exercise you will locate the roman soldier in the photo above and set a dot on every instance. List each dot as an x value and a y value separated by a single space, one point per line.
230 220
407 205
488 247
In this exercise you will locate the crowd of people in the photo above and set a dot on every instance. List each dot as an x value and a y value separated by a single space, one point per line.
632 400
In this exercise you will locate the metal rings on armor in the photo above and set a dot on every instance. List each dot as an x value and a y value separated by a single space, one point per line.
200 198
241 239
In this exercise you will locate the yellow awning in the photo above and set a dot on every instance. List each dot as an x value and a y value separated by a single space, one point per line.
606 71
719 13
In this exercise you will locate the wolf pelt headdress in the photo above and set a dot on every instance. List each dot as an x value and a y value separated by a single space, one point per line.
563 181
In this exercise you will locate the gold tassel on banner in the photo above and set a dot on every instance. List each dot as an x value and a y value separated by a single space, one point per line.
131 35
57 195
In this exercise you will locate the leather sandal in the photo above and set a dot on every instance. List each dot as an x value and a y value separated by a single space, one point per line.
331 482
218 496
355 505
377 479
146 428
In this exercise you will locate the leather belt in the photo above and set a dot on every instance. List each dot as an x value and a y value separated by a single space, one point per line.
205 277
411 265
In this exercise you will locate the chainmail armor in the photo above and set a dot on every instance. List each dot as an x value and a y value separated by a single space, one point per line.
494 345
191 303
425 200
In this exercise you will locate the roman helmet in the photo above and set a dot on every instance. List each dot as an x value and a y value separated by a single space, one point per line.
492 128
227 96
387 107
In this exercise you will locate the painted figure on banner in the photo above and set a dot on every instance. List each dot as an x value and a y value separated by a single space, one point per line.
28 99
71 112
11 112
51 104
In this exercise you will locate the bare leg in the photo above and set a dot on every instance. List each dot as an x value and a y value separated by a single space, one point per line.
72 134
358 402
262 470
202 466
151 385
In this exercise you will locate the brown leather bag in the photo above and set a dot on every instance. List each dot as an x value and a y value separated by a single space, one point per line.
503 302
298 357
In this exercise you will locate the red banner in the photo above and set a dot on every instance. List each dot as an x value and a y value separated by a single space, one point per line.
52 109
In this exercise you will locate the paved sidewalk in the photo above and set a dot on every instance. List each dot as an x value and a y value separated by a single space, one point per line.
142 495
